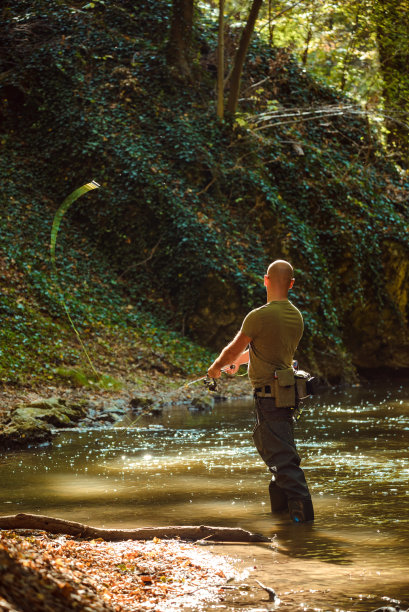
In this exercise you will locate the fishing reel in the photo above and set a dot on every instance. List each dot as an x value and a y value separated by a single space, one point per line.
210 383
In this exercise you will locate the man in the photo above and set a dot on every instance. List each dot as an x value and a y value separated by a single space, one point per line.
272 334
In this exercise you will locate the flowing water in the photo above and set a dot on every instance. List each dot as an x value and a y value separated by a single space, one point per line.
188 467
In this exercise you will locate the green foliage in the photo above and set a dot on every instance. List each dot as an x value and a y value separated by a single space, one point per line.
82 378
33 336
27 339
185 199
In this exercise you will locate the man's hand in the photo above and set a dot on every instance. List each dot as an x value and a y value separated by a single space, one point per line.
230 370
214 371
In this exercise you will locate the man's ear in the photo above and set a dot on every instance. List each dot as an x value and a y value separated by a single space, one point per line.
266 279
291 283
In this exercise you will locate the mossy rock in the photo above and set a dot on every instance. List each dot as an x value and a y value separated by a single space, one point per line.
202 403
31 424
54 411
46 403
141 402
55 417
31 432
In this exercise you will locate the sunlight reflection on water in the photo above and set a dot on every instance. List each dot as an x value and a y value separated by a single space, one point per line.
201 468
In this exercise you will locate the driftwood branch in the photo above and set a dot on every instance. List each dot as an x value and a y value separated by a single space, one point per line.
79 530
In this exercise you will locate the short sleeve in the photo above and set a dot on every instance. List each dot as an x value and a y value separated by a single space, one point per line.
251 325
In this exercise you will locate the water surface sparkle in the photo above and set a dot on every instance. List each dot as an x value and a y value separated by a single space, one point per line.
201 468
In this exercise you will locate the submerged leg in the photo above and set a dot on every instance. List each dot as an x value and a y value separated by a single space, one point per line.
301 510
274 440
278 499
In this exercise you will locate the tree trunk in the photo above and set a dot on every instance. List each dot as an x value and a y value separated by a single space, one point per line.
220 63
180 37
79 530
350 50
240 56
310 33
307 46
270 24
392 21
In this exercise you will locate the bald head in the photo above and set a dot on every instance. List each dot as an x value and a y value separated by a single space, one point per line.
280 274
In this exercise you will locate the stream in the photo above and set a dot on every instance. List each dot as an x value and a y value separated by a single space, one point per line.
192 467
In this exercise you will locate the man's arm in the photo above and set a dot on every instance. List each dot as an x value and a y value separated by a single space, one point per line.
233 353
241 359
233 368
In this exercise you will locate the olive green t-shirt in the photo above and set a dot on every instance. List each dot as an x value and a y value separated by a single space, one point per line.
275 329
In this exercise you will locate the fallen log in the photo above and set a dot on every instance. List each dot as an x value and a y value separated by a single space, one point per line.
79 530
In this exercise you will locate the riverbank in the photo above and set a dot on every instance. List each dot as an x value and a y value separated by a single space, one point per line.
59 573
33 415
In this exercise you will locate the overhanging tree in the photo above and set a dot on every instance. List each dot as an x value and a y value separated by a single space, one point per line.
241 56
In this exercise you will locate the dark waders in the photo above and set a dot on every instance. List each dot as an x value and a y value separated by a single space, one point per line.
274 439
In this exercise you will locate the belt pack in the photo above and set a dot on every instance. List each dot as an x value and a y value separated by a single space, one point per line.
307 385
289 387
285 388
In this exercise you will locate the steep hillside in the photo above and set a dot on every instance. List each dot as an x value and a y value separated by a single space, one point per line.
190 211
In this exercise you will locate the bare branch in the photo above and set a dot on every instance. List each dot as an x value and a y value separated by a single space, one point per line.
207 187
144 261
277 15
295 115
256 84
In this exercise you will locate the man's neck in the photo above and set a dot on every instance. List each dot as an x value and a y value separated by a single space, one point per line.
276 296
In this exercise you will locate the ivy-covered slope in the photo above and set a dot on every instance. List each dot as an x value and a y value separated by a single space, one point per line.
190 211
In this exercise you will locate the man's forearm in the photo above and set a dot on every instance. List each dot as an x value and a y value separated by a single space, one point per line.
229 354
243 358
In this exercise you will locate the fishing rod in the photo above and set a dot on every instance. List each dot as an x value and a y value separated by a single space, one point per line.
210 383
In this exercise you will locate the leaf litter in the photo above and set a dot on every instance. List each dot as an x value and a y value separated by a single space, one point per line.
40 572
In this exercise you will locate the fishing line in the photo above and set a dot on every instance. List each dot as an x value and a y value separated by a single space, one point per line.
210 383
53 241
